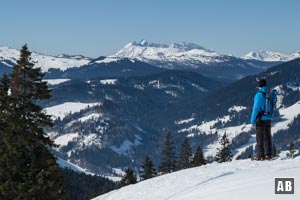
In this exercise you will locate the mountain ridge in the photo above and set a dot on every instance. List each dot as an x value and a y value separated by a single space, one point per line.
178 56
269 56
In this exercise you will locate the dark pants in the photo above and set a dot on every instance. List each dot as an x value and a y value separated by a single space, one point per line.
263 138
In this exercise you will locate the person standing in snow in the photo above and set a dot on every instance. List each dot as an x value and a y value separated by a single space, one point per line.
262 123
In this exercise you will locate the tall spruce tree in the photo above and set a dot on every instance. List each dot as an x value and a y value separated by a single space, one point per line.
198 158
224 153
27 168
148 170
128 178
169 159
184 158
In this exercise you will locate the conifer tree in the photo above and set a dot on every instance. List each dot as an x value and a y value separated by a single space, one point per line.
224 153
168 161
4 100
198 158
27 169
148 170
292 151
128 178
184 159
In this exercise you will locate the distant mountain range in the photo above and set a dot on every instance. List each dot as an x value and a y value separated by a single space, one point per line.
9 56
269 56
144 58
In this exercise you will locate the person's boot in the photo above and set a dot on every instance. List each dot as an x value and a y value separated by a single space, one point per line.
268 157
259 158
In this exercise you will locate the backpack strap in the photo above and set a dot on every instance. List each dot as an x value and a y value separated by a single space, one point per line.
263 93
261 113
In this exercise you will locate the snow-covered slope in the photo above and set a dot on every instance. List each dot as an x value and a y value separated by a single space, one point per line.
295 55
235 180
56 81
65 164
269 56
62 110
9 56
287 116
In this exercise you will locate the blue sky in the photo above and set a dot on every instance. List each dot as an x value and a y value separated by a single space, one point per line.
101 27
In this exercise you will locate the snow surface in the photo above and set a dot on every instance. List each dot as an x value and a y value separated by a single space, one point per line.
236 109
81 141
206 127
269 56
45 62
65 139
293 86
56 81
172 93
107 60
159 85
243 179
109 81
64 109
287 115
93 116
65 164
91 139
185 121
280 95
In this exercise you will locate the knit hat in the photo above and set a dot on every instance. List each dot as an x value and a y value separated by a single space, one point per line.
262 82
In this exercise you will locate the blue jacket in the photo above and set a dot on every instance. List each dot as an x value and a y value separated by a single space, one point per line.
259 104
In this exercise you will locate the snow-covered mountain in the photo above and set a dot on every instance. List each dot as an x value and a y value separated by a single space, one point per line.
295 55
9 56
269 56
141 58
235 180
187 56
180 53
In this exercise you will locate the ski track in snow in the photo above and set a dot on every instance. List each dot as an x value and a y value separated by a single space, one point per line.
197 185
